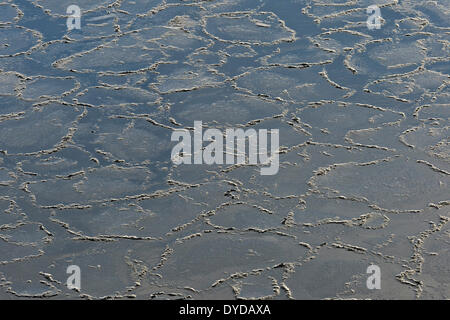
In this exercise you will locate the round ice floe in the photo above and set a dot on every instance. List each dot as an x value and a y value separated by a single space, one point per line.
37 130
9 82
139 6
97 184
374 220
186 79
209 105
185 268
248 28
126 57
9 13
291 84
399 184
6 177
427 137
396 55
120 96
411 86
56 7
42 88
135 145
17 40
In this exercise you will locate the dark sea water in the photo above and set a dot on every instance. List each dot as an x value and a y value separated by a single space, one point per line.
86 176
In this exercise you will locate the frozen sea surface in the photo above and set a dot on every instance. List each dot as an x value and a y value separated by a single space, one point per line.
86 176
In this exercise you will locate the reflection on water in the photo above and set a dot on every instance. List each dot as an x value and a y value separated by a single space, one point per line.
86 177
